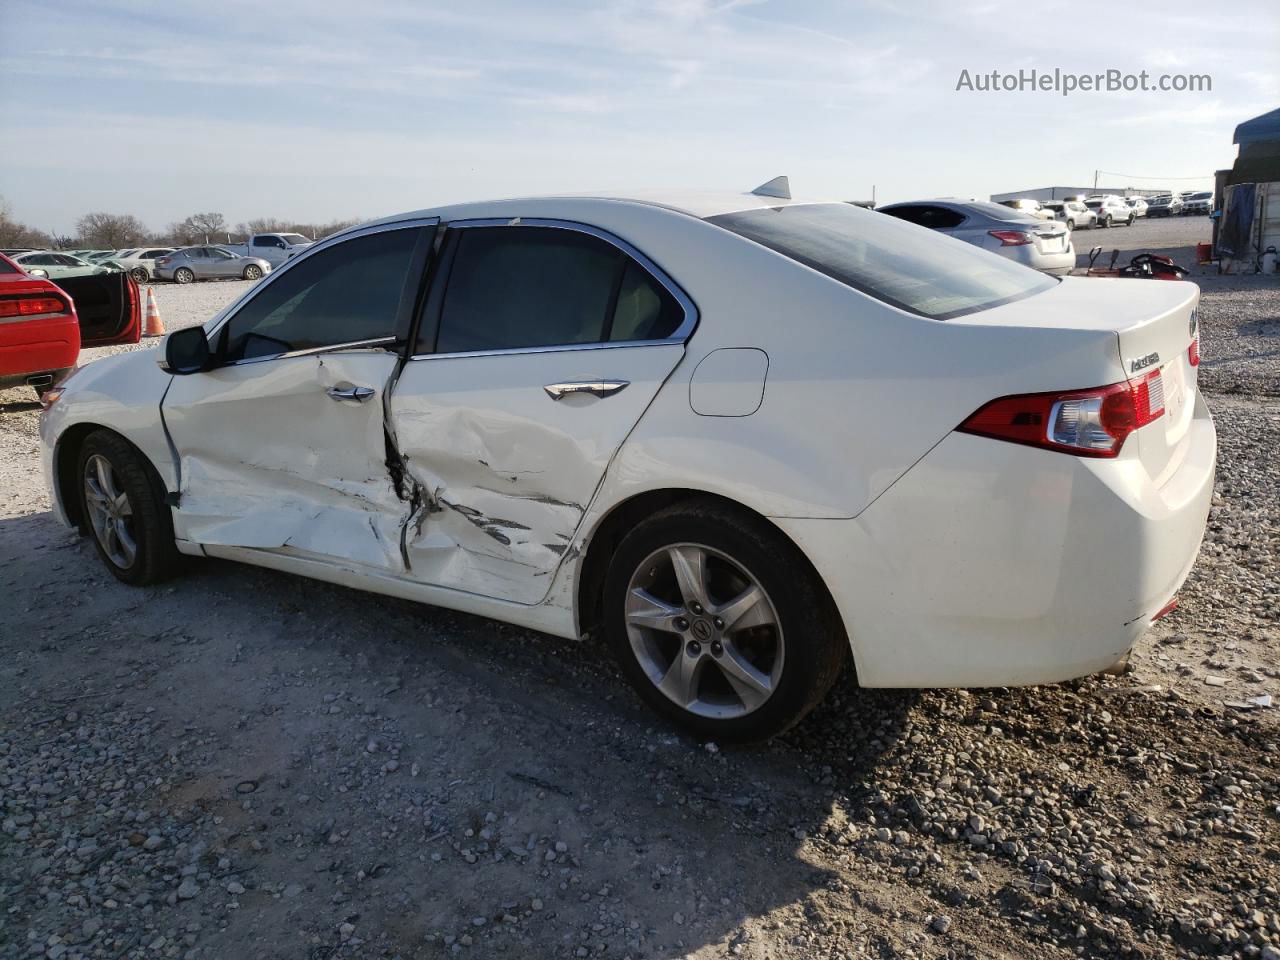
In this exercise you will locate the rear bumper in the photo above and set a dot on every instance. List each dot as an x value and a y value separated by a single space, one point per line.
1058 264
994 564
37 347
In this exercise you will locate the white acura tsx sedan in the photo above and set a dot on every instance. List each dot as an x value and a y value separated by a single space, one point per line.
739 438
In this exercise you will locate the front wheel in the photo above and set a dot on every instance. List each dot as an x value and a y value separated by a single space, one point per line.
720 623
253 272
1071 224
124 509
184 275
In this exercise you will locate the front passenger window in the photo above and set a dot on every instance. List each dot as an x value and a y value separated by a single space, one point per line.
346 294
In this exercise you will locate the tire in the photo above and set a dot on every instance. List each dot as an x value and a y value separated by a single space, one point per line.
252 272
1129 222
1071 224
1105 223
140 274
183 275
795 635
108 469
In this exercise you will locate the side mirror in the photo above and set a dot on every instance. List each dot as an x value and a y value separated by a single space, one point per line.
186 351
37 272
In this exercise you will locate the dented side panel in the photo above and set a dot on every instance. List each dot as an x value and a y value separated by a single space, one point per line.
270 460
503 472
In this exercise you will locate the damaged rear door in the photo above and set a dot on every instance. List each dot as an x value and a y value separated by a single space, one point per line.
282 444
540 346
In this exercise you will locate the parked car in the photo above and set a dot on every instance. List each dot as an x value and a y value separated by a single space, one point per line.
41 332
1077 216
275 248
1041 244
1165 205
656 494
1032 208
1071 212
14 251
1198 204
1110 210
141 263
56 266
208 263
1137 204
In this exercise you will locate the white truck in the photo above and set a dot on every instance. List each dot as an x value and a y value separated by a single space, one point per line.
275 248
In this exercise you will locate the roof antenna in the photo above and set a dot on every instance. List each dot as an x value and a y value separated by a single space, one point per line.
779 187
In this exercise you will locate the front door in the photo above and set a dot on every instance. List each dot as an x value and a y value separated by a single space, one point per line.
540 347
282 445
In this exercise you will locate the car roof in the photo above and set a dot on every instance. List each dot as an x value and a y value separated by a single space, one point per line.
700 204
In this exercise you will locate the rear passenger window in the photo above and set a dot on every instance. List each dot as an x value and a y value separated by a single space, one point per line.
346 294
513 288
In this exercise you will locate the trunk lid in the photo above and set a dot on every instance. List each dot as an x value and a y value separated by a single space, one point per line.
1049 236
1153 322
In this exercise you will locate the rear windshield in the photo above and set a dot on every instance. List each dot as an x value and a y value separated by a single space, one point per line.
896 262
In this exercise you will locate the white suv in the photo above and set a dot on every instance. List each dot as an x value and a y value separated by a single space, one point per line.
1110 209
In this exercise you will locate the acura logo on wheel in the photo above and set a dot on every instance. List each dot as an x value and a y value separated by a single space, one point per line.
702 630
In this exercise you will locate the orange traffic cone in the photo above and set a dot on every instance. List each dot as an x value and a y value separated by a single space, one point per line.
152 326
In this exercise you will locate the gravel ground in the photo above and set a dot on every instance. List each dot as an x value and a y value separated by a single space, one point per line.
248 764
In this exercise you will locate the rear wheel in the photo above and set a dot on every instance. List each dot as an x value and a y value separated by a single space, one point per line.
123 506
720 623
253 272
140 274
1071 224
1129 222
1105 223
184 275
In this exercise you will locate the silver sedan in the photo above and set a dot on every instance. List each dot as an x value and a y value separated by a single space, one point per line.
1043 245
209 263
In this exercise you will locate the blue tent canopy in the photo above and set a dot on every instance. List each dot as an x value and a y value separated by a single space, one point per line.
1259 129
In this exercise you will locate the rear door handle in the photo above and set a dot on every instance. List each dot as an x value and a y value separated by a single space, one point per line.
350 393
599 388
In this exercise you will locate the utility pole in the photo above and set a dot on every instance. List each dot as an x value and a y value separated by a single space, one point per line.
1095 181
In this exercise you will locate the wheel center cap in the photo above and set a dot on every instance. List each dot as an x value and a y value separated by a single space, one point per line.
702 630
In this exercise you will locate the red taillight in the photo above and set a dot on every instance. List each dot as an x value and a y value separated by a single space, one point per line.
31 306
1010 238
1088 423
1167 609
1193 351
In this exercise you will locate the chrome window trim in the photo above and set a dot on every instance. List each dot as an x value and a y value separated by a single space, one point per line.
282 270
678 336
310 351
555 348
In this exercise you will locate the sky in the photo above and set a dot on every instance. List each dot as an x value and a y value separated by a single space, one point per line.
311 110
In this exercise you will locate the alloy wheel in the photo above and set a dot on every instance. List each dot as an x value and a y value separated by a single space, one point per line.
704 631
110 513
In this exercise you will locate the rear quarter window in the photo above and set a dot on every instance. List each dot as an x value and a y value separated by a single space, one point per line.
898 263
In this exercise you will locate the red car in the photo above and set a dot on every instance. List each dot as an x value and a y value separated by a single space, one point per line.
44 324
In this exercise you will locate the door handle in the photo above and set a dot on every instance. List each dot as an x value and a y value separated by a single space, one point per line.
350 393
600 388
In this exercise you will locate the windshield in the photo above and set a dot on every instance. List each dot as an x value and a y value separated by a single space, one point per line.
901 264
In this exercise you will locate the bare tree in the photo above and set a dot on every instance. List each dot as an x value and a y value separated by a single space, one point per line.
197 228
110 230
16 234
